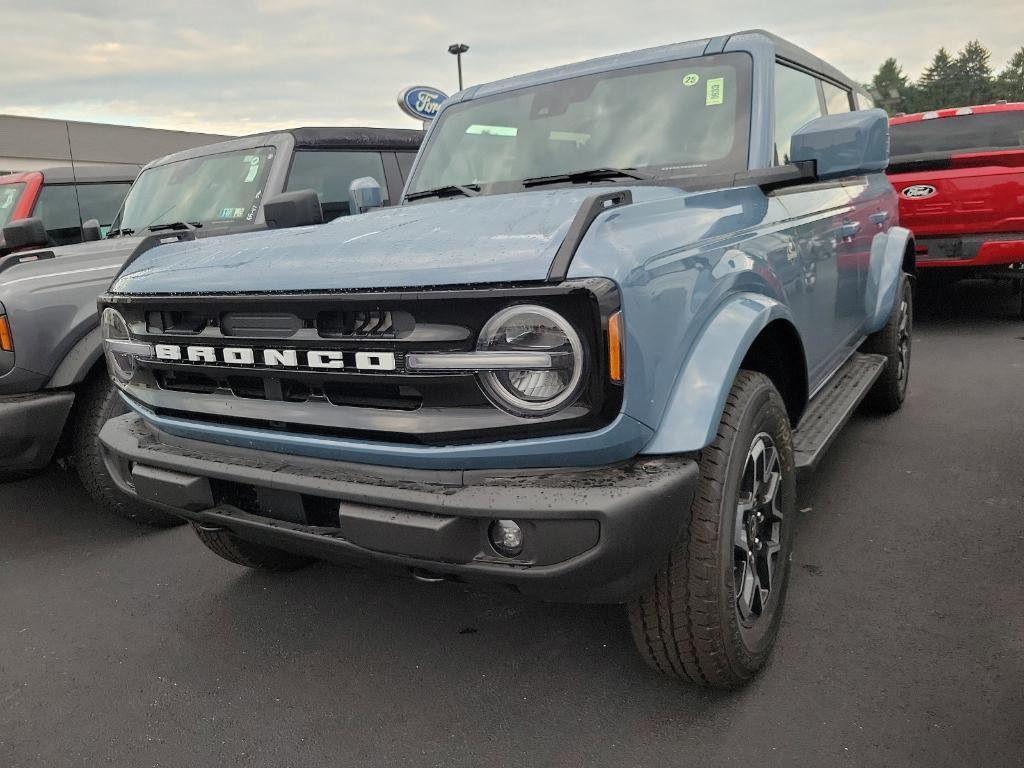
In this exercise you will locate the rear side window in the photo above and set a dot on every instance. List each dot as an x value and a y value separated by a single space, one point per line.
837 100
992 130
863 102
58 208
101 202
796 104
329 174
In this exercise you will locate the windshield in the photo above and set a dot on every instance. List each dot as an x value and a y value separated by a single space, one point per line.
9 194
221 189
684 117
991 130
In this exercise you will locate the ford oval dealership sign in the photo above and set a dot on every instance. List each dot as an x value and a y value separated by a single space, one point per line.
421 101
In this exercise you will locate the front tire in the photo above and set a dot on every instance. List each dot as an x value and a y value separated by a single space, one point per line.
97 402
894 342
227 545
713 611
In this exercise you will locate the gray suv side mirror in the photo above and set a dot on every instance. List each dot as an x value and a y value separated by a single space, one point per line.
91 230
364 194
293 209
25 233
847 144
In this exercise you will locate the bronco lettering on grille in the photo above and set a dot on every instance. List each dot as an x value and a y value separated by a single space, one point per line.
319 359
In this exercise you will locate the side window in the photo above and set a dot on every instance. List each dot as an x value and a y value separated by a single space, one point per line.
863 102
58 209
837 99
796 104
101 202
405 160
329 174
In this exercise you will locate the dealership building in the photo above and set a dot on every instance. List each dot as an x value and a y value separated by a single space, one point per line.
31 143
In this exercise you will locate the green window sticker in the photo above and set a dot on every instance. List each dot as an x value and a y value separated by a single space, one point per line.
254 167
691 79
716 91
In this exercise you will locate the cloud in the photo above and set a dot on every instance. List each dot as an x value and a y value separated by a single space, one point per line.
244 67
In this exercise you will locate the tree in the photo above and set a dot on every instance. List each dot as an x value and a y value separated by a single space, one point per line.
1010 83
891 88
936 86
972 76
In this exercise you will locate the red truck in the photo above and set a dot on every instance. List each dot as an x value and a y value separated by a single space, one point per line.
960 178
51 195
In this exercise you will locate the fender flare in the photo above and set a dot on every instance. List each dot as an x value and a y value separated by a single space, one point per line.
884 270
697 401
78 361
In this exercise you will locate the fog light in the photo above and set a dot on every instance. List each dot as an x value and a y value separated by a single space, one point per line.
506 537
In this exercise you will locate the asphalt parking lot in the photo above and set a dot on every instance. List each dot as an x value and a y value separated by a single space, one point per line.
902 643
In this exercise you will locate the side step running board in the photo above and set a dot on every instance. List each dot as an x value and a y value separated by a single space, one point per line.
832 407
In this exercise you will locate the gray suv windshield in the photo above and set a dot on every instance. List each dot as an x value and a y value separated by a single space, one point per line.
682 117
224 188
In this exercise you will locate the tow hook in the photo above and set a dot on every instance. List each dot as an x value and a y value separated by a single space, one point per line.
427 577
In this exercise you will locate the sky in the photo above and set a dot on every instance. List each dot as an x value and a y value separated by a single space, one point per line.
254 65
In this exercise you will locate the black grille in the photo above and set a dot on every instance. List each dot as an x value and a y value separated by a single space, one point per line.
385 405
378 323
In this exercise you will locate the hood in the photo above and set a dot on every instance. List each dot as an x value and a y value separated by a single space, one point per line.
484 239
92 260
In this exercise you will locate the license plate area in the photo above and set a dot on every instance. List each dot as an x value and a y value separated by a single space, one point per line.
946 249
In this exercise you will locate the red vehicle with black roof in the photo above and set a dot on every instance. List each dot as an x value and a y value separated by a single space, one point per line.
960 178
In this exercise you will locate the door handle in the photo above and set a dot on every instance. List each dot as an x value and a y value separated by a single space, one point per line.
849 228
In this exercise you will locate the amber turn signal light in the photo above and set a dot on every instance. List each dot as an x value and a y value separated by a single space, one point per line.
6 340
615 347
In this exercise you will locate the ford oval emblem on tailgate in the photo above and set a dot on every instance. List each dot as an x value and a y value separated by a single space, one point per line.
918 191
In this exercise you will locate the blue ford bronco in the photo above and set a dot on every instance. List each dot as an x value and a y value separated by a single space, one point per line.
622 304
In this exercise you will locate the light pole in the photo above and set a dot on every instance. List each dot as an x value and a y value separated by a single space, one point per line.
457 49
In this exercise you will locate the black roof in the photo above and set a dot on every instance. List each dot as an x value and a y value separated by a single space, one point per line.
90 174
325 138
354 138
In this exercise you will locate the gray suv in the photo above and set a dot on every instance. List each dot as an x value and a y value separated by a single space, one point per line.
54 392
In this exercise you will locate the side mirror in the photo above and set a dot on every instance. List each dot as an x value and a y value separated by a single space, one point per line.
91 230
364 194
293 209
25 233
848 144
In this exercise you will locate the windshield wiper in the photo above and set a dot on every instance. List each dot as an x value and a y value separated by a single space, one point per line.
174 225
120 232
581 177
450 190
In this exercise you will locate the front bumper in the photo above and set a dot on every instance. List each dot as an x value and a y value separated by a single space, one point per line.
30 426
592 535
984 252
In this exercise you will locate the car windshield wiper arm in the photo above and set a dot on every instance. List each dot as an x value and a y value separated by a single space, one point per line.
174 225
594 174
466 190
119 232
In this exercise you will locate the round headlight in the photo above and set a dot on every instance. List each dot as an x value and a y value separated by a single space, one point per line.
120 361
533 391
